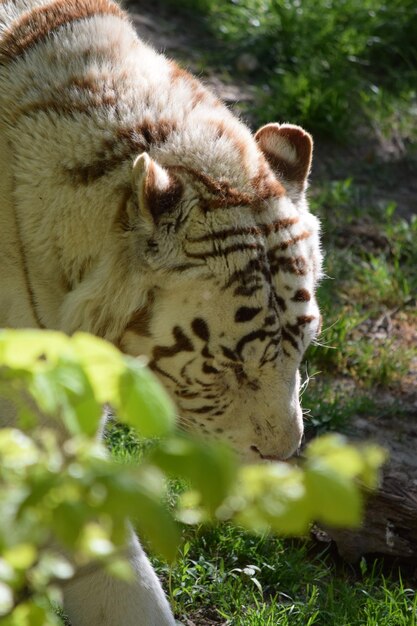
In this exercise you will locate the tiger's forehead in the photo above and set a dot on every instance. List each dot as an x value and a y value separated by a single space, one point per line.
239 243
258 218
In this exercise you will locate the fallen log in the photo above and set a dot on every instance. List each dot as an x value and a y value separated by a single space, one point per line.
389 527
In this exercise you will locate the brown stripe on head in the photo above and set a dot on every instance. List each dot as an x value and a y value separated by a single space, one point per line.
178 74
224 252
290 265
259 229
81 174
65 108
125 145
91 82
182 344
217 194
288 337
302 320
199 96
35 25
288 243
264 183
147 133
86 82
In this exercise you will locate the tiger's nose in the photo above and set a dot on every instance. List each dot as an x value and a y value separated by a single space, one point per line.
281 442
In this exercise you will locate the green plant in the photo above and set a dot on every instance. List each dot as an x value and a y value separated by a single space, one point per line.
322 63
214 577
59 488
370 277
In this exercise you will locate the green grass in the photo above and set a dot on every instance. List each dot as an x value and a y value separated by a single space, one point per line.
329 407
228 577
371 256
326 64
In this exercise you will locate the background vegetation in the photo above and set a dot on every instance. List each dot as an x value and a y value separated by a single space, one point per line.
326 64
347 71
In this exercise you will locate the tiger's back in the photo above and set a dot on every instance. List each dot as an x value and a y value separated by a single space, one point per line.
137 207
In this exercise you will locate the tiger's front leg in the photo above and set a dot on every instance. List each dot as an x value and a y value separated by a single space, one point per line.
95 598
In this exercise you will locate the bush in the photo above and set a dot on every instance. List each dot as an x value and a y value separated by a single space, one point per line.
61 493
322 63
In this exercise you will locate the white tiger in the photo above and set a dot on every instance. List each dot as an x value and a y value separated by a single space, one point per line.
135 206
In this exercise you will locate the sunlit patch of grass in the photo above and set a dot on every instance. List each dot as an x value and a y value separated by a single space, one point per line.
227 576
370 263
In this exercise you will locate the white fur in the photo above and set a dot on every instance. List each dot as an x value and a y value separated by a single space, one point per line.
95 597
76 112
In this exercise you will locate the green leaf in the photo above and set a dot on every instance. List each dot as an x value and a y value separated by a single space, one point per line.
145 404
55 566
155 523
21 556
210 468
274 497
40 485
337 500
73 377
336 454
32 613
120 568
46 393
95 542
32 349
7 573
67 521
373 457
6 598
103 364
80 401
333 453
138 494
17 450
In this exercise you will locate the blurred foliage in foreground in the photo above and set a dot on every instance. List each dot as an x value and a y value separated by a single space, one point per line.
60 488
322 63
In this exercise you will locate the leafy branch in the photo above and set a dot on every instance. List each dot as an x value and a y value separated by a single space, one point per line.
61 493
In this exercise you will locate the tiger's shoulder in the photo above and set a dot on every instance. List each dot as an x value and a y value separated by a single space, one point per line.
81 96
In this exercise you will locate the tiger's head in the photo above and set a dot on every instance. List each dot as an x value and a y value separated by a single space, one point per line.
231 292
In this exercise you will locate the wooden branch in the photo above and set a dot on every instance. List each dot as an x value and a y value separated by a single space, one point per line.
390 523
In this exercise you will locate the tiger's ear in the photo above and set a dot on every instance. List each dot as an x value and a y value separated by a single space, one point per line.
158 190
288 150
